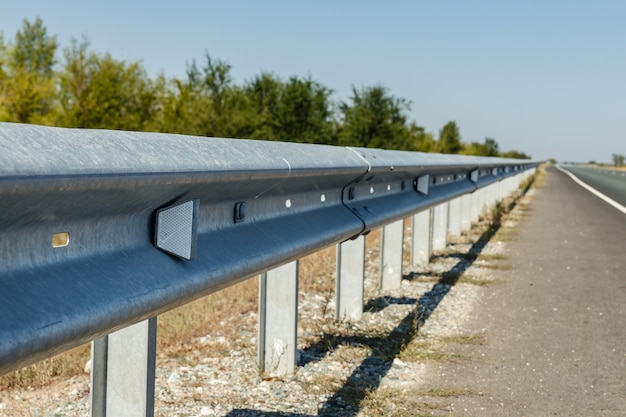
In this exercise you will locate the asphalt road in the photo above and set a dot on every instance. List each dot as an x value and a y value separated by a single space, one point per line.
556 329
609 182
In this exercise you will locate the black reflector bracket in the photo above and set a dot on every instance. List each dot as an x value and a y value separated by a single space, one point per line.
421 184
177 229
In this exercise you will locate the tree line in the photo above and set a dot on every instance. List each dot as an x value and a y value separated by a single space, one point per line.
87 89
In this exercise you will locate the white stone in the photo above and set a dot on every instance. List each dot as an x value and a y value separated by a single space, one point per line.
206 411
397 363
172 379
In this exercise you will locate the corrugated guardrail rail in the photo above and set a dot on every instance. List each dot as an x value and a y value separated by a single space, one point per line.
101 229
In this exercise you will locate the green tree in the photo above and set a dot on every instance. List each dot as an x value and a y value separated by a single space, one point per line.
216 85
374 119
618 160
98 91
304 111
515 155
34 51
28 85
264 93
178 106
3 57
206 103
298 110
491 147
420 140
449 139
488 148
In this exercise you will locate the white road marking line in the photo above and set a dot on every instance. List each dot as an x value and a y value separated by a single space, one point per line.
594 191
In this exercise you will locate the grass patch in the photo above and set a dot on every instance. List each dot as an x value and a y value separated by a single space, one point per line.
317 271
445 392
394 403
496 266
322 384
49 370
224 314
540 176
492 257
479 282
474 339
462 277
422 351
419 350
507 235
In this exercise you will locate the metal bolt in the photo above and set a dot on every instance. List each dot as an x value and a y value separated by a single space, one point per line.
240 212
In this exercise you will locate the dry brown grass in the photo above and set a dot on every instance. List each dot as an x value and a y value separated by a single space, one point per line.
224 313
317 271
539 179
45 372
399 403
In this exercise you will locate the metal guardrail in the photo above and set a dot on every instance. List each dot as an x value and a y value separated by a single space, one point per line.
102 229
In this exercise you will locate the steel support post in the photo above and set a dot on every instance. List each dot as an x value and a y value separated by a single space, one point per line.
483 201
491 197
278 319
350 275
504 187
466 212
123 372
515 182
500 193
391 255
440 226
475 211
420 242
454 217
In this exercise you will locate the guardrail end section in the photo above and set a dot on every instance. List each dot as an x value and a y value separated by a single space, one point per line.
176 229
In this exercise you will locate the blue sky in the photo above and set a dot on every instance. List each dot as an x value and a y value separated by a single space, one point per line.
543 77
